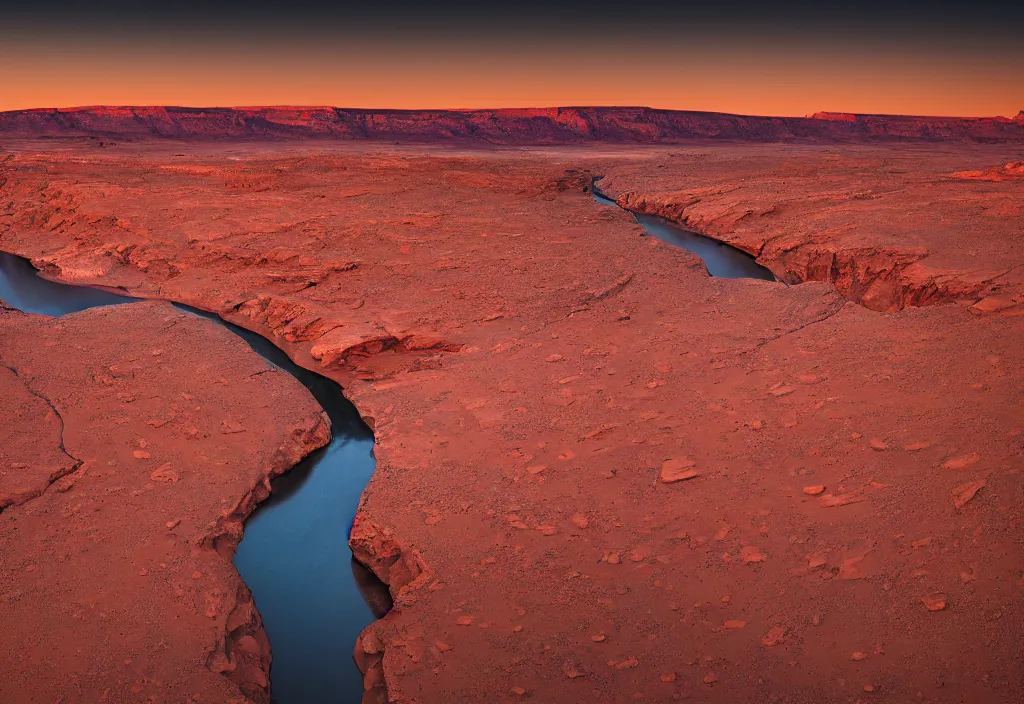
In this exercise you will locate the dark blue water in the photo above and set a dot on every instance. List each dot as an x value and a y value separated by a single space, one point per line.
313 597
21 288
294 557
721 259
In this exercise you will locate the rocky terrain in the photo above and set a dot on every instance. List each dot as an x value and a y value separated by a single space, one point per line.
889 228
601 474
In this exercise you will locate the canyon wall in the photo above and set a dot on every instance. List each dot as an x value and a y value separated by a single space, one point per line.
567 125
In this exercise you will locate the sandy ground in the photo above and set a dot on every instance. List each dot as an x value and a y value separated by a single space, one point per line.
601 474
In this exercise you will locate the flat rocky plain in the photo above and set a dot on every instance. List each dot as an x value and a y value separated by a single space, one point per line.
602 475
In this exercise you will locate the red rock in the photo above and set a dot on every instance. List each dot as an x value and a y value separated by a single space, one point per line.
851 568
734 624
164 473
877 444
678 470
749 554
992 304
815 560
965 492
934 602
814 490
775 635
572 669
859 656
835 500
961 462
627 664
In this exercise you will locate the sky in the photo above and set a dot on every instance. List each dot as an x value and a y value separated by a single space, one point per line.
740 56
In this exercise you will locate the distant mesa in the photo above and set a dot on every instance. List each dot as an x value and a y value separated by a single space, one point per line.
841 116
511 126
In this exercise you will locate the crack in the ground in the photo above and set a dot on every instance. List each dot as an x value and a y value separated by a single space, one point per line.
76 462
993 278
619 284
821 318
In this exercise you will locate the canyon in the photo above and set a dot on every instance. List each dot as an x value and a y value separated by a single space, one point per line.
601 474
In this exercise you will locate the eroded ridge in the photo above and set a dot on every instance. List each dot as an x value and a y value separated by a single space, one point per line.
888 230
531 126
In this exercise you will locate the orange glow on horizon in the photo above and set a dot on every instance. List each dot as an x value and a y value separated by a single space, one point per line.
734 77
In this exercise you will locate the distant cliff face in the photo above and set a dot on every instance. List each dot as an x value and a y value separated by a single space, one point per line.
509 126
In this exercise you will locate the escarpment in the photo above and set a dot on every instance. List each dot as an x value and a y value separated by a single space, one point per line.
561 125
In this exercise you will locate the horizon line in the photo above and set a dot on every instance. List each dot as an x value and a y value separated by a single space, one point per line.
812 116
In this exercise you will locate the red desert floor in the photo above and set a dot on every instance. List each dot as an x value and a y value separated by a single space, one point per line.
601 474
